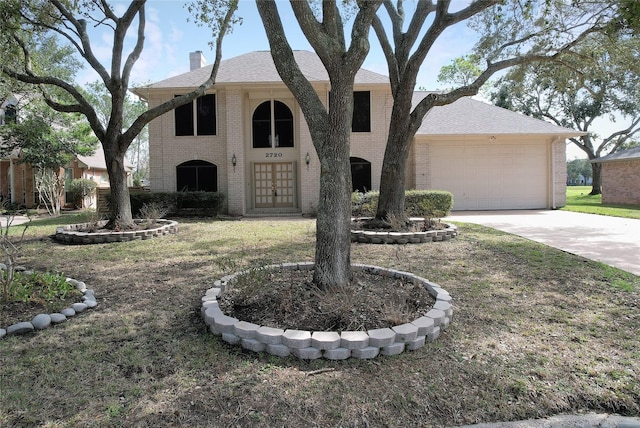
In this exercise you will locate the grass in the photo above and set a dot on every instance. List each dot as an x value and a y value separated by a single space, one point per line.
536 332
579 200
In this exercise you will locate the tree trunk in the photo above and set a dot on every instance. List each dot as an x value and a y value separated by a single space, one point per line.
394 165
119 205
596 179
333 230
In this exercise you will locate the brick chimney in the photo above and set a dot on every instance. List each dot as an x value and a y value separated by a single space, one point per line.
197 60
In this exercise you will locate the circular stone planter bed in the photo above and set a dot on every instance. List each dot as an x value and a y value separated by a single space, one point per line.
384 237
329 344
77 234
42 321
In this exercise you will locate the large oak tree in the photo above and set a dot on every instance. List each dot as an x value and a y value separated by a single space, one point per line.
330 126
509 32
24 23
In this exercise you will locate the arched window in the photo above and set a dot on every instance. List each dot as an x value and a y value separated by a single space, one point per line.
272 125
197 175
360 175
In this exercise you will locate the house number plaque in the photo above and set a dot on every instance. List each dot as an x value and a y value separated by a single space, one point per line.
273 155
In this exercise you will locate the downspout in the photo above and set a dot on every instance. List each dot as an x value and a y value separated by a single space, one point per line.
12 197
554 140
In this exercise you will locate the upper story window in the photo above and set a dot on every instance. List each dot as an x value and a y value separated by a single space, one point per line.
272 125
197 118
361 111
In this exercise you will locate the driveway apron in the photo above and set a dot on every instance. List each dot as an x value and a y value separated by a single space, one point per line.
611 240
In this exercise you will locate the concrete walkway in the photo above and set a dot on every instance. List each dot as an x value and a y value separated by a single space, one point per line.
591 420
19 219
611 240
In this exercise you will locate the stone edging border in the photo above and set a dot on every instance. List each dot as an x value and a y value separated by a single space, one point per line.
373 237
331 345
70 235
42 321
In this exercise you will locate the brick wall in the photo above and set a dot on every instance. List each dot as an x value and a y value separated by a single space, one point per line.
168 151
621 182
371 145
559 174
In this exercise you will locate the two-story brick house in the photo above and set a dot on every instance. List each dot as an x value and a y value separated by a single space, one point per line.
248 139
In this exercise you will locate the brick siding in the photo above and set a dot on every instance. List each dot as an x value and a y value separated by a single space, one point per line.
621 182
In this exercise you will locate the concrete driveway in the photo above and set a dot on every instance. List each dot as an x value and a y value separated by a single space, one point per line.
611 240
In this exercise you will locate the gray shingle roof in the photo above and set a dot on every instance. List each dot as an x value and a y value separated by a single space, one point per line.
468 116
258 67
98 161
630 154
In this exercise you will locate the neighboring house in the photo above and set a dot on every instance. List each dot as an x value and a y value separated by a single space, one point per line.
621 177
248 139
94 168
580 181
17 179
17 182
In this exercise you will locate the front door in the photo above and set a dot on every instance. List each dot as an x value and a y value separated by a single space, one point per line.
274 185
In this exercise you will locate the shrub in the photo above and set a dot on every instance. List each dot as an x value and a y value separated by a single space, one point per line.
428 203
141 199
364 204
153 211
179 203
42 287
79 189
418 203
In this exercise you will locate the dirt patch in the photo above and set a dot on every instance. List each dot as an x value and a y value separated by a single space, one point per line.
17 311
289 299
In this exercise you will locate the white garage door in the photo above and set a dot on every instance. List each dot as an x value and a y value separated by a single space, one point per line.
491 176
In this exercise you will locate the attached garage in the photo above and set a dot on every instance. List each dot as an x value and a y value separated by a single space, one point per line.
491 176
490 158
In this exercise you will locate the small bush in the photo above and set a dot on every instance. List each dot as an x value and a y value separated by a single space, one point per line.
364 204
79 189
178 203
40 287
428 203
417 203
153 211
141 199
201 200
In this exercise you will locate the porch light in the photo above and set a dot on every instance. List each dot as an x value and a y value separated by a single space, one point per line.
307 159
234 161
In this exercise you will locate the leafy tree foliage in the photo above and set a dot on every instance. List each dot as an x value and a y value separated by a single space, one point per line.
47 141
462 71
577 168
510 33
27 25
597 81
138 151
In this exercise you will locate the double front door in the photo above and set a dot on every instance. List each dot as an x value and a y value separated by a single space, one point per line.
274 185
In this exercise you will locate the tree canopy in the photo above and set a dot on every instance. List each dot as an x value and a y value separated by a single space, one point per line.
47 141
25 26
598 81
510 33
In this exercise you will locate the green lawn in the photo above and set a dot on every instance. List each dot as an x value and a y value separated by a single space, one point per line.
579 200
